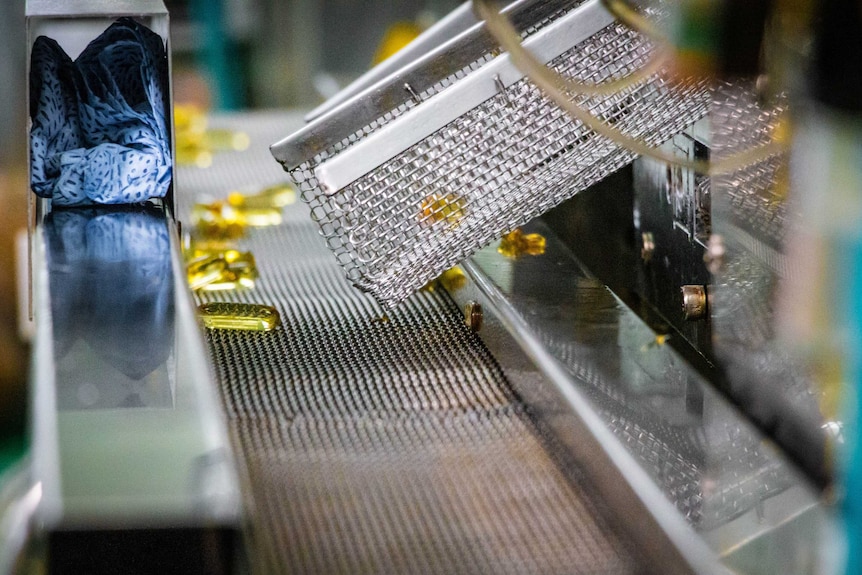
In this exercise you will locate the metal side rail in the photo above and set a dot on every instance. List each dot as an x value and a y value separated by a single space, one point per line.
661 444
131 465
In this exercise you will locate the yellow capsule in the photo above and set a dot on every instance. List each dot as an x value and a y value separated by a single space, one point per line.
189 118
209 244
193 156
233 256
516 243
261 217
450 208
231 279
225 140
279 195
453 279
276 196
241 316
227 282
218 220
241 263
395 37
205 270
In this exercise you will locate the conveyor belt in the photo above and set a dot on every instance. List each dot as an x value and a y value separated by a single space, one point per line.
382 440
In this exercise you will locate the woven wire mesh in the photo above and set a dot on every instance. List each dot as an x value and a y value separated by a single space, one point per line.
492 169
750 213
383 441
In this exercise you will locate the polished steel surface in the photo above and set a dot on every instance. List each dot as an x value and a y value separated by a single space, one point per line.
708 461
127 429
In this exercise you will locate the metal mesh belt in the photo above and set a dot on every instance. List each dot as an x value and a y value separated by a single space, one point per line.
381 443
497 166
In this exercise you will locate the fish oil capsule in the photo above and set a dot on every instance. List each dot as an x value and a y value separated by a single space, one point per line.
260 217
277 196
230 280
449 208
219 140
239 316
517 243
205 270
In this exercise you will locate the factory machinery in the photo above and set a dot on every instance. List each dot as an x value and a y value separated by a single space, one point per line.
552 302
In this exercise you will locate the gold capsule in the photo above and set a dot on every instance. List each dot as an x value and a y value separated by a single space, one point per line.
229 281
449 208
225 140
224 270
195 143
205 270
220 218
189 118
239 316
451 280
516 243
277 196
260 217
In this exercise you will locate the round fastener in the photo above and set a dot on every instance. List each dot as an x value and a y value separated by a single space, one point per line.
473 315
694 302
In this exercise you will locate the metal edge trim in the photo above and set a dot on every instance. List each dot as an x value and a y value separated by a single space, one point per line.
685 551
448 27
44 440
446 106
387 94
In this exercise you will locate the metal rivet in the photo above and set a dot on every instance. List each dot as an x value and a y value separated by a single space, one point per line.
412 93
694 302
473 315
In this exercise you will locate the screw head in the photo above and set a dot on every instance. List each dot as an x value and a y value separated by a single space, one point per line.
473 315
694 302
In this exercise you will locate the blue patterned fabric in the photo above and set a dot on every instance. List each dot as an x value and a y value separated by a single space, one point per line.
99 133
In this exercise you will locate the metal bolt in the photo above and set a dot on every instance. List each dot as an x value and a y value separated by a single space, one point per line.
473 315
694 302
647 246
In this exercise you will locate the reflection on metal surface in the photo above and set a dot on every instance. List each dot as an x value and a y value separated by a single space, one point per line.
769 378
708 461
112 304
127 439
